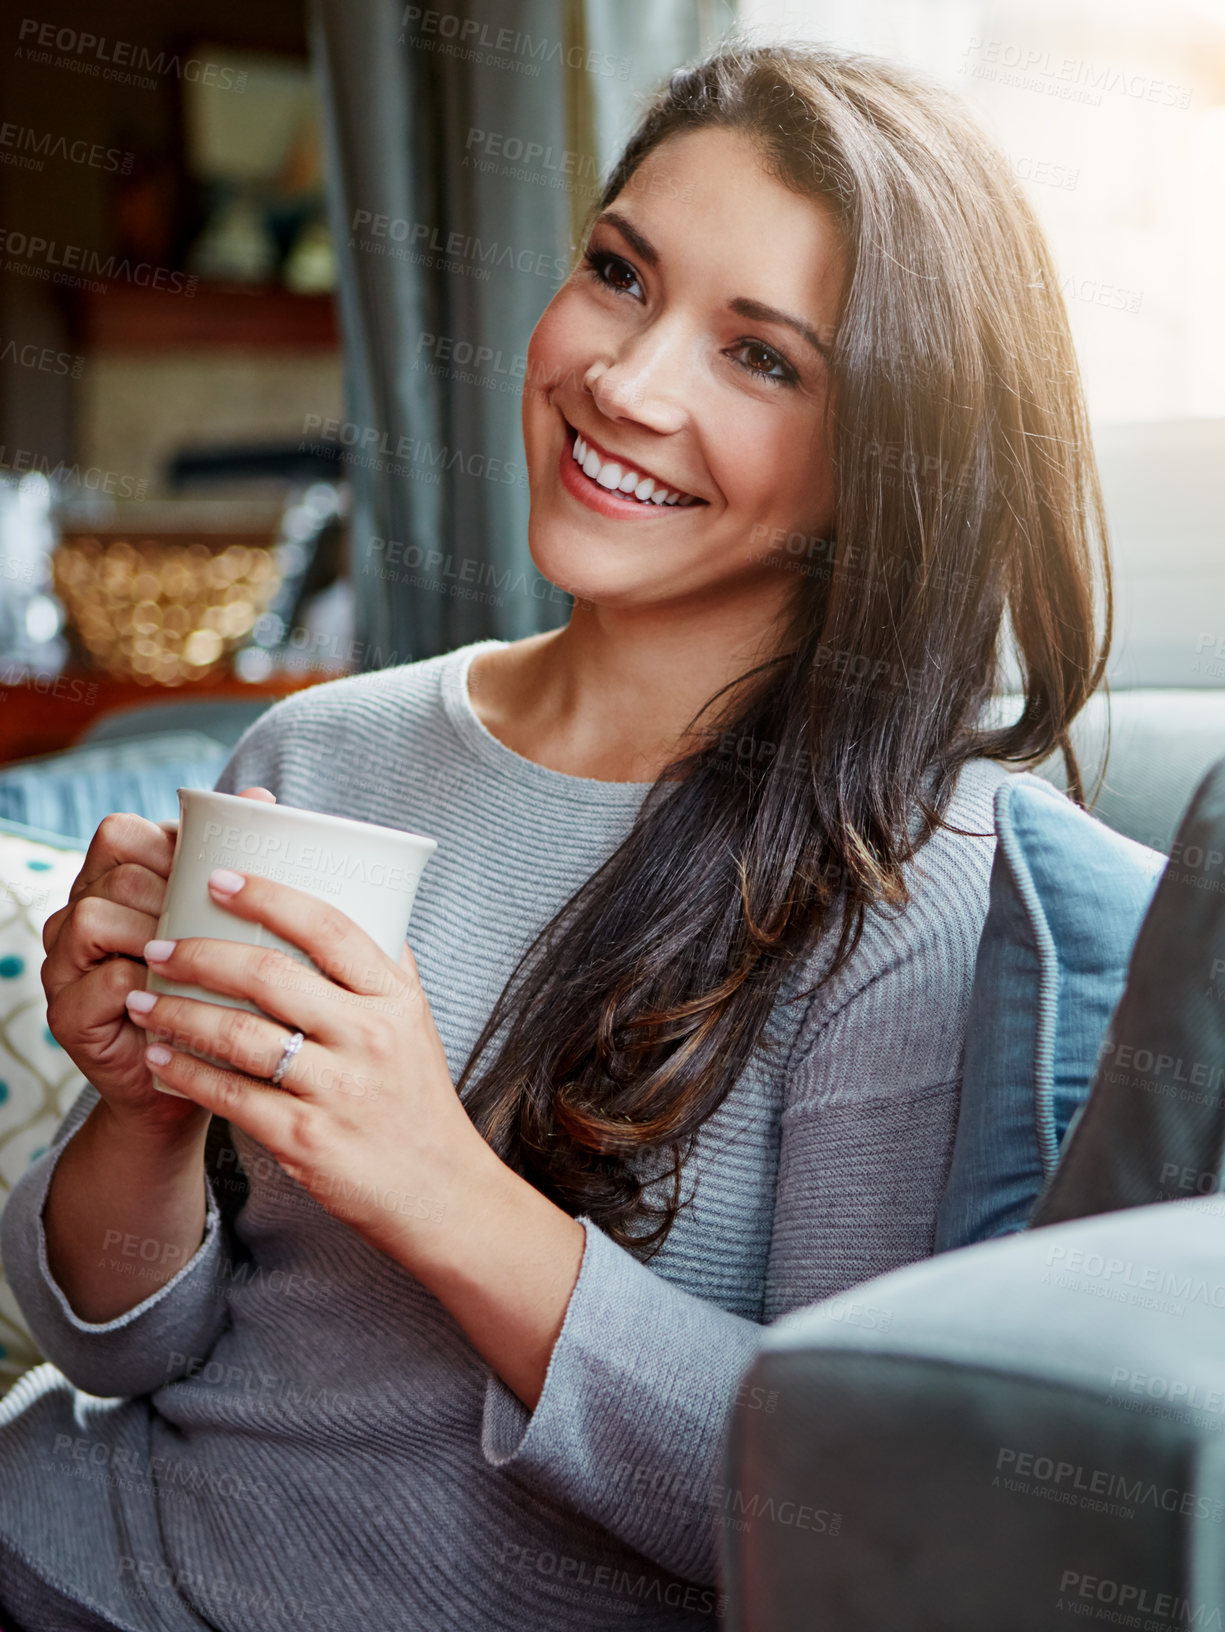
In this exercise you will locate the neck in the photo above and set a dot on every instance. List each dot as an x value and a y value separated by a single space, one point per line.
612 694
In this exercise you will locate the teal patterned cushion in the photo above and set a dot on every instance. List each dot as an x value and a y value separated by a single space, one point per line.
38 1082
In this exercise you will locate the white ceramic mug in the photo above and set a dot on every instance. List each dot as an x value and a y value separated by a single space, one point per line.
370 872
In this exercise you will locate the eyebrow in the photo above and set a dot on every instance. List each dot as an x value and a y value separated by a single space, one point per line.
740 304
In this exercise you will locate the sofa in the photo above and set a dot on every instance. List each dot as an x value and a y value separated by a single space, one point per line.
1028 1428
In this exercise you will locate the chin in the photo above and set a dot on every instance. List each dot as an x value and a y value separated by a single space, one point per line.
584 566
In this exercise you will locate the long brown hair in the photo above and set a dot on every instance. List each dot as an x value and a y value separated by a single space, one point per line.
967 495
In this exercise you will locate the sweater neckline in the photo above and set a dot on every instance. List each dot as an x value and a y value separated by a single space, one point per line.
468 724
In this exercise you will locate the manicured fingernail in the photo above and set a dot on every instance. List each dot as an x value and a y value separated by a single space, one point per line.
225 882
158 951
157 1055
142 1002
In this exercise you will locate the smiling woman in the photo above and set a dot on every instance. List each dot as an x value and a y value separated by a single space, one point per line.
669 376
828 333
677 1047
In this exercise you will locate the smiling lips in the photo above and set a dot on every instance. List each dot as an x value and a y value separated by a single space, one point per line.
625 480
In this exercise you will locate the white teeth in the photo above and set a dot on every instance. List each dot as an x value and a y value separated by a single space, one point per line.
624 478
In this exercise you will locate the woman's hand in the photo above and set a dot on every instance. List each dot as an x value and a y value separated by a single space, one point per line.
93 949
366 1117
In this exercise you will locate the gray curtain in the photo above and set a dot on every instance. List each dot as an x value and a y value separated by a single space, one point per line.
464 147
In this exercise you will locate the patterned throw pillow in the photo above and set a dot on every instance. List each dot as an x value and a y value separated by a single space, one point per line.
38 1082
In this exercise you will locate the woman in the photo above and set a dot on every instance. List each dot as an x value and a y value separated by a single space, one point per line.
804 426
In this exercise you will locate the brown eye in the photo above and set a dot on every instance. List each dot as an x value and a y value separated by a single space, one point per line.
615 270
601 264
773 361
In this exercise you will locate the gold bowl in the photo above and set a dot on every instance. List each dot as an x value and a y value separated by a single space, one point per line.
159 609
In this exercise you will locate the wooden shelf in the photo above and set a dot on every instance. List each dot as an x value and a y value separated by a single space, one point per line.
246 317
47 714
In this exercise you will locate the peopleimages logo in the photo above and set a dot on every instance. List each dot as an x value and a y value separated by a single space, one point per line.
33 146
1126 1273
40 255
1172 1390
472 40
93 477
1132 1599
1045 1471
123 61
315 858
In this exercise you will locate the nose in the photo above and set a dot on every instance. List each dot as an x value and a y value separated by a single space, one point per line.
642 379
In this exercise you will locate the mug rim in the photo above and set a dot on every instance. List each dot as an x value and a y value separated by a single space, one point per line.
299 816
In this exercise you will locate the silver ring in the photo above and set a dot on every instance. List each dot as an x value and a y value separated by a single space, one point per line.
292 1045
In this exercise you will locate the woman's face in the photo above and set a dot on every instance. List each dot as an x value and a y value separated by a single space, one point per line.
686 352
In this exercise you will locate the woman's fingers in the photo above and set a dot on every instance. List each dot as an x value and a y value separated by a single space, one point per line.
287 990
247 1043
269 1114
95 929
51 928
94 949
90 1022
124 836
129 884
121 837
90 1014
338 946
128 860
122 841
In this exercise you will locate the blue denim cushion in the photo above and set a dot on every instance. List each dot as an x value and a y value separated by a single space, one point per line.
1067 897
70 792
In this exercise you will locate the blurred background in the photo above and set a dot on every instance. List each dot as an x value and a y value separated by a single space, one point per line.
203 490
167 324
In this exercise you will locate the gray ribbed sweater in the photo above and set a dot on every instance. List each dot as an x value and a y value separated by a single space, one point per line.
304 1437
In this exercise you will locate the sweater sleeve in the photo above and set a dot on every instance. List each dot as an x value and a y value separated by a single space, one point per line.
643 1378
132 1353
868 1127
